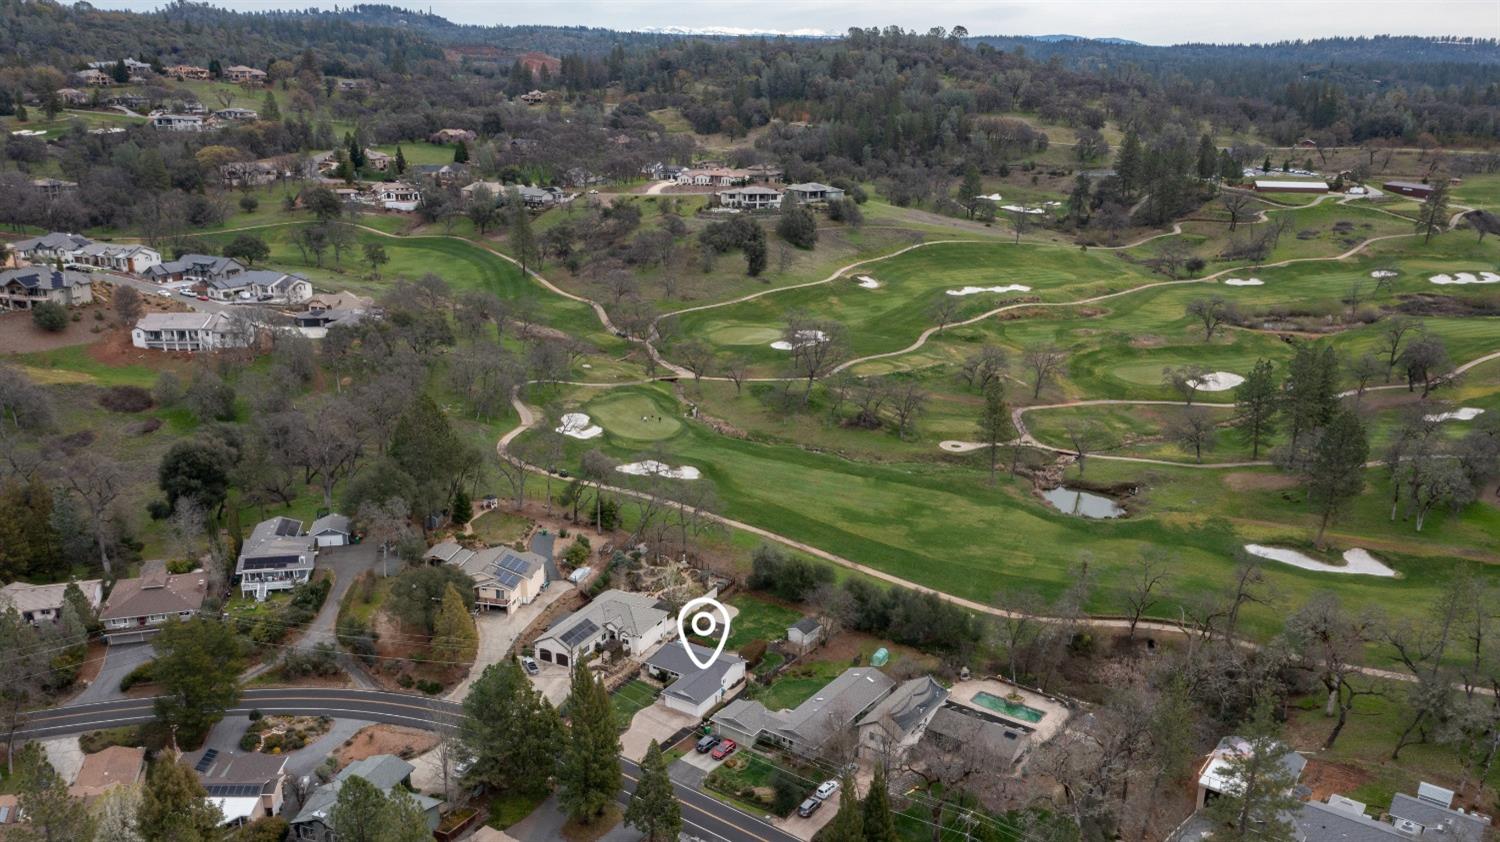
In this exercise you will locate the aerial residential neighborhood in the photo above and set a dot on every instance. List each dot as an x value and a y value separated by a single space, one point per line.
833 422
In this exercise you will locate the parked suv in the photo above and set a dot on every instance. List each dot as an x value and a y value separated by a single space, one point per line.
707 743
809 806
826 790
529 665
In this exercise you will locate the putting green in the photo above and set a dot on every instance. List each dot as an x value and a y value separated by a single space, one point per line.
740 333
620 415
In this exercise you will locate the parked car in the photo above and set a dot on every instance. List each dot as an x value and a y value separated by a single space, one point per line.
187 293
528 664
707 743
202 298
809 807
724 749
164 293
826 790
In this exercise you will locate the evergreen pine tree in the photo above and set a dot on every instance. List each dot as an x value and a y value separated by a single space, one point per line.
359 813
1255 403
1335 473
879 823
453 635
511 731
462 509
50 812
174 805
848 824
1208 157
653 808
590 771
461 152
404 819
522 239
1258 796
21 115
269 110
120 73
970 189
400 161
1432 218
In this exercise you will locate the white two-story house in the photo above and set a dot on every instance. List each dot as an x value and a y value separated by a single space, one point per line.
278 556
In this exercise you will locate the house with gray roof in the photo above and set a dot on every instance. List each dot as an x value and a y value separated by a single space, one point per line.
811 192
263 285
897 722
1213 777
331 530
278 556
637 621
805 633
51 247
805 729
199 268
504 578
39 604
384 771
751 197
186 332
1430 813
119 257
1342 819
691 689
953 727
245 786
25 288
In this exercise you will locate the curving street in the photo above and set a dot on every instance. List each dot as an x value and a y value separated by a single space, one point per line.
702 815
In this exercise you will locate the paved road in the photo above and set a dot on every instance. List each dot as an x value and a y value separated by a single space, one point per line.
119 660
154 290
703 815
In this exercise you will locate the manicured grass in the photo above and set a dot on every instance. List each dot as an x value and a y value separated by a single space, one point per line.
799 683
633 416
759 619
499 526
631 698
508 808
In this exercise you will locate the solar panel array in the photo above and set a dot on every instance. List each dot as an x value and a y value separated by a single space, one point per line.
579 633
206 762
270 562
288 528
233 790
510 569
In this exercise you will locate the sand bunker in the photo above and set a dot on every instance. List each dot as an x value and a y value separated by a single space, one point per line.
804 337
1019 209
1463 413
576 425
1384 273
1356 561
868 282
651 467
961 446
977 290
1243 282
1217 381
1466 278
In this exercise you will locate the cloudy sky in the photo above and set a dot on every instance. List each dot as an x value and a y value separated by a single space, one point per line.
1149 21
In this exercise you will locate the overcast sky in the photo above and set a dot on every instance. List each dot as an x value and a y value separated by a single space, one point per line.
1149 21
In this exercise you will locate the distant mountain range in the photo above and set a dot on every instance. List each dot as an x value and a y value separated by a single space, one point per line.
1054 39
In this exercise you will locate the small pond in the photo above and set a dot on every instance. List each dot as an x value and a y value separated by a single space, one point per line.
1083 503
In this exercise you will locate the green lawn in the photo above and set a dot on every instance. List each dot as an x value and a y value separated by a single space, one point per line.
759 619
631 698
799 683
499 526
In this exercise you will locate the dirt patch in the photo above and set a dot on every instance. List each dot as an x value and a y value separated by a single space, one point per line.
1436 304
18 335
371 740
1148 341
1326 778
1254 481
93 662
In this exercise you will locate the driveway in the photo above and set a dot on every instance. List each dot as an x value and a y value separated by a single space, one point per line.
545 824
805 828
119 660
498 631
65 755
225 737
346 563
653 722
553 681
153 290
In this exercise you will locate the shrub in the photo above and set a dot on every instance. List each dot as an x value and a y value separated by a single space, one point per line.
753 652
143 674
181 565
798 227
255 714
577 555
50 316
250 741
405 680
788 793
431 688
792 579
96 741
125 399
271 743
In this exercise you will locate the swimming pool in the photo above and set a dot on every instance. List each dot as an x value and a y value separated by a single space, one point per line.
1008 708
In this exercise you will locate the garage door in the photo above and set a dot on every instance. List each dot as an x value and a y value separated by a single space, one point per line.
562 660
330 540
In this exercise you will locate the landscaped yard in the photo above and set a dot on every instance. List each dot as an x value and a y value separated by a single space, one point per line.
800 682
630 699
499 526
758 619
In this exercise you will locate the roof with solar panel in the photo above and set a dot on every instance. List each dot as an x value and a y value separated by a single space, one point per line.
277 544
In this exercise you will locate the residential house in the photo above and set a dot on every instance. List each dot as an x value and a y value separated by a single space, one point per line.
805 633
123 257
811 191
137 608
396 196
806 728
188 71
536 198
443 175
135 102
659 171
377 160
954 727
533 97
753 197
384 771
278 556
352 84
94 78
235 115
316 319
582 177
894 725
1213 777
52 188
1269 185
243 75
136 69
692 690
1342 819
73 96
503 578
50 248
102 771
452 136
186 332
331 530
1414 189
495 188
636 621
713 177
40 604
766 173
248 173
178 122
1431 813
244 787
195 267
265 285
24 288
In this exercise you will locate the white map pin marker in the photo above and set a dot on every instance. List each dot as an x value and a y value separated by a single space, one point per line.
682 621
